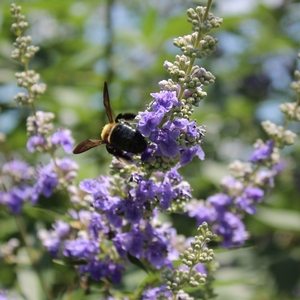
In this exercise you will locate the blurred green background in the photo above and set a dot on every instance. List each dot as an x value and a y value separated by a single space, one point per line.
84 43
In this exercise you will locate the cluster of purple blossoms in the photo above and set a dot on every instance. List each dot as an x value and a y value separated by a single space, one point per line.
241 194
157 293
23 182
61 242
143 240
38 128
173 139
140 195
15 188
49 176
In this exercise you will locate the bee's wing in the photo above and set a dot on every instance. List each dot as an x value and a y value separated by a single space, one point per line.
87 145
106 103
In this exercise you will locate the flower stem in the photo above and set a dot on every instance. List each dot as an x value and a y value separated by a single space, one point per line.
209 2
22 230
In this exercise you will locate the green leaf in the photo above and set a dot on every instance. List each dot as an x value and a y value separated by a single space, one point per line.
74 295
137 262
279 218
69 262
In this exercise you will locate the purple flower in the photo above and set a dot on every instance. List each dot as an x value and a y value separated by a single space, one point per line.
144 191
149 121
46 183
192 130
115 272
68 167
64 138
36 142
183 189
278 168
250 195
165 139
81 248
189 153
50 241
61 228
100 269
167 195
132 242
18 169
202 212
156 253
97 269
15 198
262 152
132 210
219 201
174 175
120 244
254 193
100 190
164 100
112 215
232 229
96 225
98 187
157 293
3 295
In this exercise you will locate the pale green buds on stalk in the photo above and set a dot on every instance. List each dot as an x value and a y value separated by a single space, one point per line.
295 85
196 253
202 21
281 136
22 53
41 123
192 78
20 25
291 111
199 44
240 169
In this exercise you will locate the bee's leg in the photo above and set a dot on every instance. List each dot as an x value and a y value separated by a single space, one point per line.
118 153
126 116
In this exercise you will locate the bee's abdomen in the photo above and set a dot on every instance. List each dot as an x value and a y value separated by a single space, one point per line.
126 138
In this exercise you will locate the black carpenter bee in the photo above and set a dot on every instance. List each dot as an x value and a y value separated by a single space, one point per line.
119 137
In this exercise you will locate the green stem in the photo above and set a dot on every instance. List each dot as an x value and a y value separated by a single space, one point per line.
209 2
22 230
